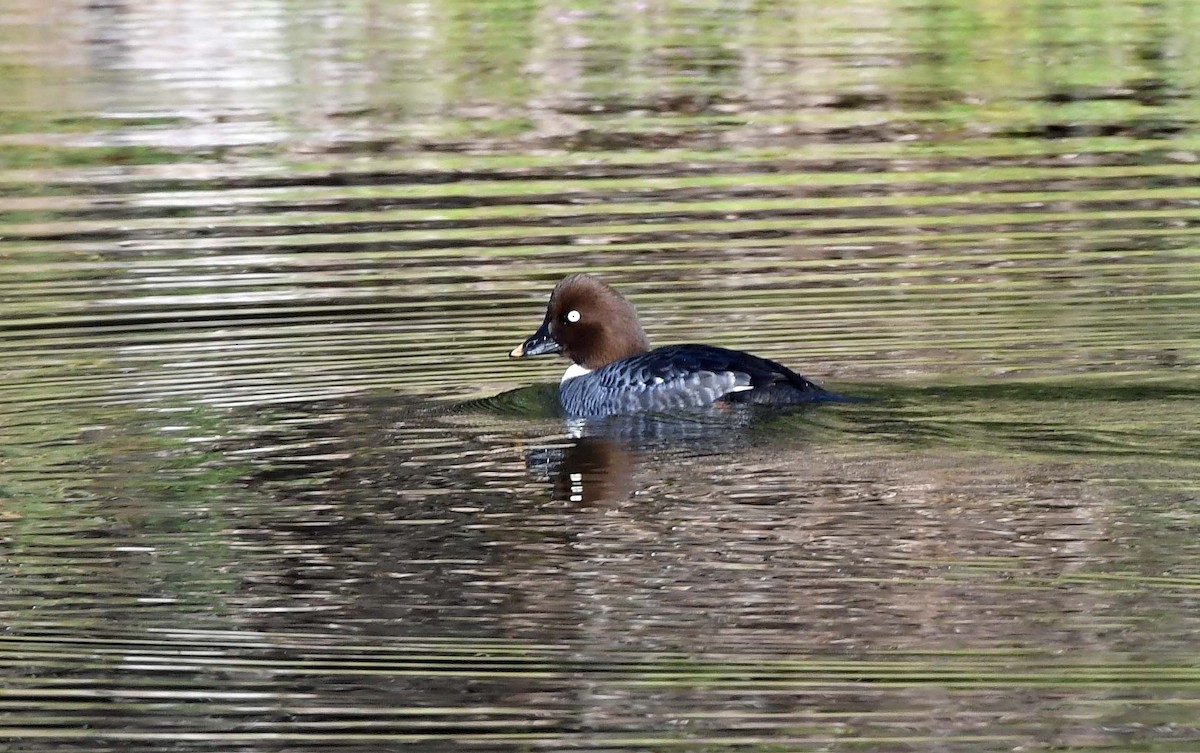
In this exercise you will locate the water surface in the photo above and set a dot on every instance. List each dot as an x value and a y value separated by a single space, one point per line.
263 265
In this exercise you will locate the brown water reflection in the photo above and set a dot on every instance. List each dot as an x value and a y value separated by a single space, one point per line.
675 529
363 572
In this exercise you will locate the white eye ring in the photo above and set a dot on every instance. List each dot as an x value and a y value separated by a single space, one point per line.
572 315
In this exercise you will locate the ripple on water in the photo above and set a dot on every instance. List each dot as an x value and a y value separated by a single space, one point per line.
269 480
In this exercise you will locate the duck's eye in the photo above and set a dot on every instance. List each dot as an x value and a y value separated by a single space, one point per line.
572 316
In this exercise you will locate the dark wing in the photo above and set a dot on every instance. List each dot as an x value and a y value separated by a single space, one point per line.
687 376
769 381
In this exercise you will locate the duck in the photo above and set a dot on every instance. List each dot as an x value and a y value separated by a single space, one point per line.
614 371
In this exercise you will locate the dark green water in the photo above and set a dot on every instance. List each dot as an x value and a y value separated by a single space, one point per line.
261 264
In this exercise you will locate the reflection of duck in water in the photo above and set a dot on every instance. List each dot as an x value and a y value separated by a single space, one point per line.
615 372
595 458
588 471
598 461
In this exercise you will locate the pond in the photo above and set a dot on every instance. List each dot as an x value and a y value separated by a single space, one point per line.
269 481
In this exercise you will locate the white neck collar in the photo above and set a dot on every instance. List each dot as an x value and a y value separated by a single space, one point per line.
574 370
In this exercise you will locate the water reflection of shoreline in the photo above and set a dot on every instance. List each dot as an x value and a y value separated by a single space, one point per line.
375 516
606 556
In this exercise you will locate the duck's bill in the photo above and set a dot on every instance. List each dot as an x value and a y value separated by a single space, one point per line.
538 344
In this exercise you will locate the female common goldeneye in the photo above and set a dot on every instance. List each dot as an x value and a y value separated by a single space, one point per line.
615 372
